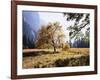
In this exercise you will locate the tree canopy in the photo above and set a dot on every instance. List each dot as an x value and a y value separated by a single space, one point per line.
81 23
81 20
51 35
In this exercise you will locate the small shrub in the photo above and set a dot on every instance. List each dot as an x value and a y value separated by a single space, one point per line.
66 47
74 62
84 60
81 61
61 62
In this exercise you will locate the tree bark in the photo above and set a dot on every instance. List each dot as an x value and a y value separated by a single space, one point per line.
54 49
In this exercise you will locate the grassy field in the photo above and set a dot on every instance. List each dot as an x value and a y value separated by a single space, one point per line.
45 58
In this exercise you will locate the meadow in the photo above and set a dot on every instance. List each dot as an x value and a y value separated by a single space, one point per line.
46 58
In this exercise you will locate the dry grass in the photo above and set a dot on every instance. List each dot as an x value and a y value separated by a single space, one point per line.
79 50
49 59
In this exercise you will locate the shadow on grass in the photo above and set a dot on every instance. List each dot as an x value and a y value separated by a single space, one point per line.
80 61
39 53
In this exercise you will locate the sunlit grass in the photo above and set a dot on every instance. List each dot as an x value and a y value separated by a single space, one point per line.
47 58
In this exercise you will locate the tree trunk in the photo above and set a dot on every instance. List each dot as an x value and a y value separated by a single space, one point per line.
54 49
70 43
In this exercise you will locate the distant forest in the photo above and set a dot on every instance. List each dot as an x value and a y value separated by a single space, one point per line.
81 43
